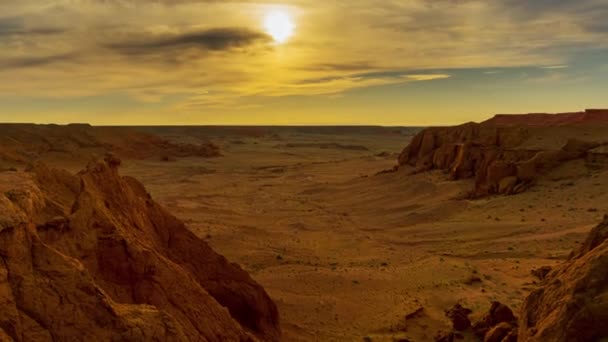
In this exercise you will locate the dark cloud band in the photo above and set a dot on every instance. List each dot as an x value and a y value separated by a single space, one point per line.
27 62
217 39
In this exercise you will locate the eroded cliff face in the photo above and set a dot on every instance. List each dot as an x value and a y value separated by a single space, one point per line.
499 157
572 302
93 256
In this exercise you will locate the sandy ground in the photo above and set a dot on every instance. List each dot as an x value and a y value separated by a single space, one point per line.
346 254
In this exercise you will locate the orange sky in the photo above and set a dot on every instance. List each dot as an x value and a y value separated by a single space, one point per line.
410 62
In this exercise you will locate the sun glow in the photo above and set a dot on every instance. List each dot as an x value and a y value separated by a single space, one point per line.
279 25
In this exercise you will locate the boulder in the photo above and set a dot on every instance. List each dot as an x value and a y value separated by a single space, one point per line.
459 316
541 272
497 314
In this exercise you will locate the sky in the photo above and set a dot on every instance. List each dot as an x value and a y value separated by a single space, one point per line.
299 62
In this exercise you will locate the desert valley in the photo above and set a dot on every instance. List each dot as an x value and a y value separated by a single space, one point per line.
303 171
491 231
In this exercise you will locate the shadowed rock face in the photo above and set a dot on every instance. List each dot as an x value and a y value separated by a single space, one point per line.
572 302
493 152
94 256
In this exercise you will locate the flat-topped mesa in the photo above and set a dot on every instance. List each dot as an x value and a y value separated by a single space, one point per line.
25 143
500 154
589 116
93 256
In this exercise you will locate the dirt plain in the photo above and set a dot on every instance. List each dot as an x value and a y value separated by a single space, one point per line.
346 254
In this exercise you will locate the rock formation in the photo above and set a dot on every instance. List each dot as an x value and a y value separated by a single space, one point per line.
497 325
572 302
92 256
497 153
459 316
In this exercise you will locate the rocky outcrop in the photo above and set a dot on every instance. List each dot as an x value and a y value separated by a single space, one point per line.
572 302
92 256
498 324
496 156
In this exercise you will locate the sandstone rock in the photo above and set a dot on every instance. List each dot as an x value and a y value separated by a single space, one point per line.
492 153
459 317
571 304
498 333
589 116
112 160
507 185
541 272
93 257
596 237
579 147
501 174
498 313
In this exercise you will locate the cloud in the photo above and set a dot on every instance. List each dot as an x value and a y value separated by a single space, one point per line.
157 49
28 62
14 26
10 24
345 66
338 84
427 77
551 67
217 39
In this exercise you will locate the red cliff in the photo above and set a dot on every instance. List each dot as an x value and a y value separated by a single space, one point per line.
93 256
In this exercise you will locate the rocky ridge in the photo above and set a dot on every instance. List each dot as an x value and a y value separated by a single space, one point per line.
92 255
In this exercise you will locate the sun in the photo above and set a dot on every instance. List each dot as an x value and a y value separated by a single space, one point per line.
279 25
